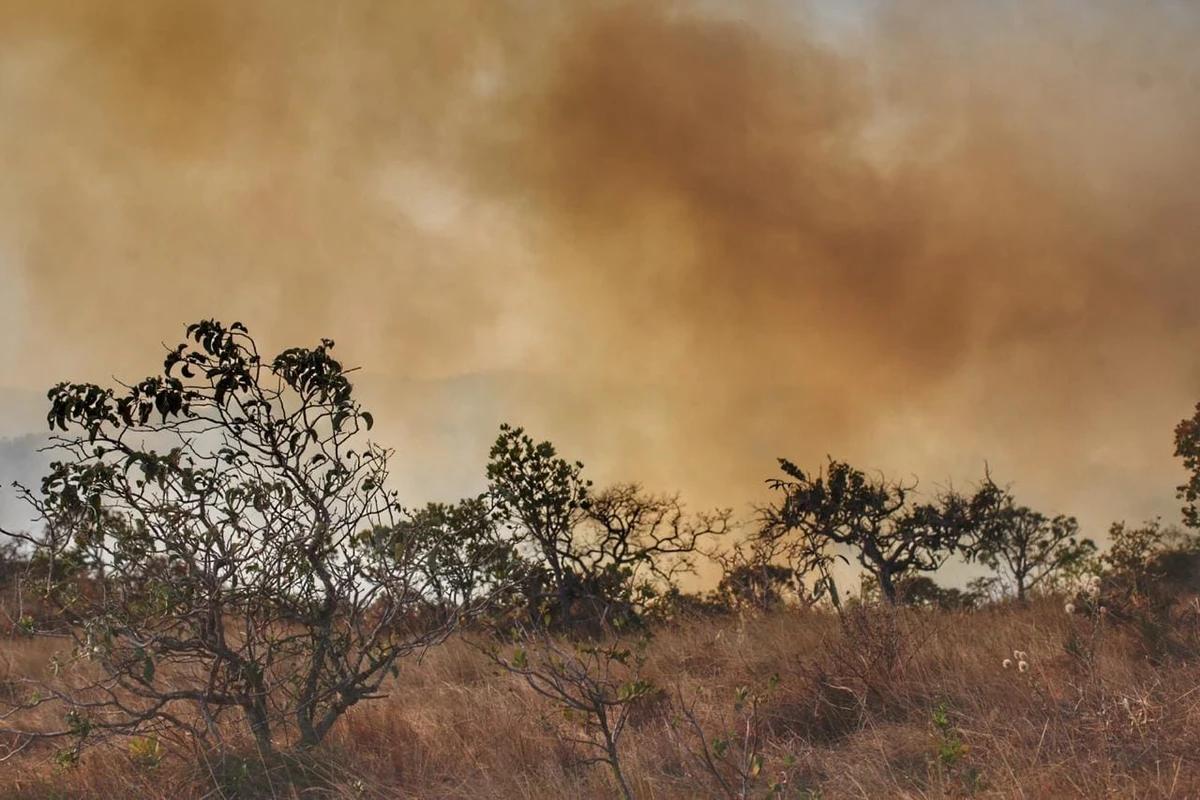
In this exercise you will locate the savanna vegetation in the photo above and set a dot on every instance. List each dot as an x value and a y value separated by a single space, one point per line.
223 598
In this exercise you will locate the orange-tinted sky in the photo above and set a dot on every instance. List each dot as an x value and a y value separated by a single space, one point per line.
679 239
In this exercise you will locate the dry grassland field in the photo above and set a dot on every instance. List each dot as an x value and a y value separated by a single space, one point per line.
915 704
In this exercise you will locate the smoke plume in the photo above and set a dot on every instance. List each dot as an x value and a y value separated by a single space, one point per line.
679 239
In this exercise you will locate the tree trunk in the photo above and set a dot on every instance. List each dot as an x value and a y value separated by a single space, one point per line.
835 599
308 732
887 586
564 605
626 792
614 755
260 726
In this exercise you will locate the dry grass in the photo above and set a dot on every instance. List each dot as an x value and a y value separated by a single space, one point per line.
852 716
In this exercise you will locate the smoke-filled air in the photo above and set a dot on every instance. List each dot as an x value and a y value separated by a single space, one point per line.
678 238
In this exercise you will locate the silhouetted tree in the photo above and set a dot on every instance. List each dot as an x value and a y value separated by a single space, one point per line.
1187 447
591 557
230 502
1148 579
1029 549
466 559
889 533
761 585
771 566
1134 563
921 590
809 556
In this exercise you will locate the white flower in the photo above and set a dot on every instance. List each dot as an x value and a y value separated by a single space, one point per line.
1069 608
1103 610
1020 655
1023 666
1007 663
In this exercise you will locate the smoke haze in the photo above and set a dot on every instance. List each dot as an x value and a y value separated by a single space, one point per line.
678 239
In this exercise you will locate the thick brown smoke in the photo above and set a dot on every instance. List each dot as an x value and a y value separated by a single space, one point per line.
680 239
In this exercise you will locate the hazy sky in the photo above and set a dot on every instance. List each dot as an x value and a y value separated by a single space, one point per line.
679 239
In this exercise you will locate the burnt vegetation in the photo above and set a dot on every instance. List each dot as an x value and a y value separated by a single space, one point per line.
222 576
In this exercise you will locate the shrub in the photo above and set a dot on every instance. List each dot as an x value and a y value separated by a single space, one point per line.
224 510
